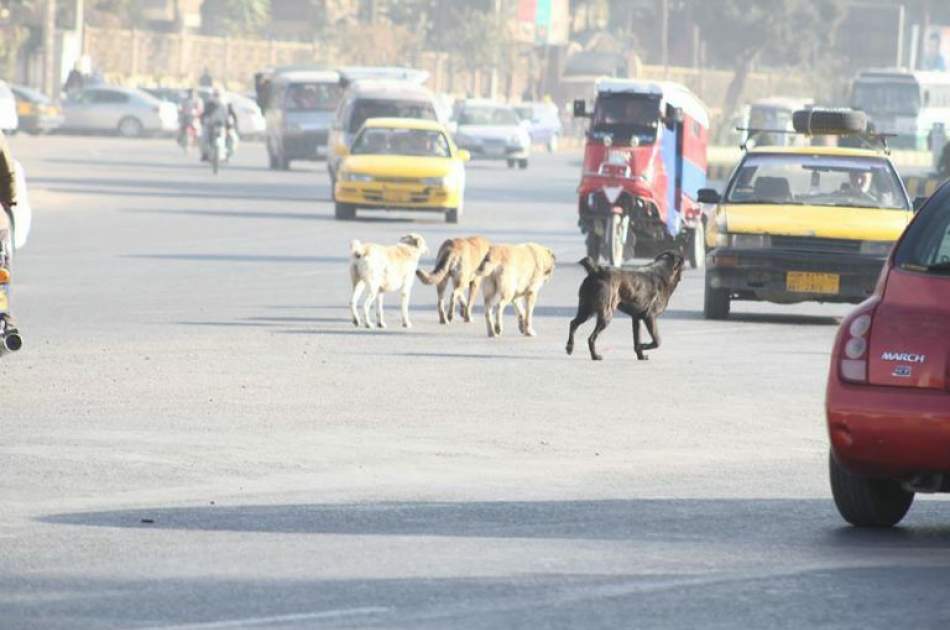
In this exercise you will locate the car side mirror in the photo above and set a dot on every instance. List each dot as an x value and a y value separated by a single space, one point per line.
464 155
708 195
580 109
919 203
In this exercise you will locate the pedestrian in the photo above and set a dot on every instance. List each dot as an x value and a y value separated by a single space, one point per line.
206 80
74 82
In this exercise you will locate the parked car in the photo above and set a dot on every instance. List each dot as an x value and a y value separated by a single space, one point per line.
544 123
888 396
492 131
299 107
402 164
126 111
174 96
367 99
38 114
9 120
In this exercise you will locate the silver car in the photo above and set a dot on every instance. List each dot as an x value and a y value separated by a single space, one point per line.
126 111
492 131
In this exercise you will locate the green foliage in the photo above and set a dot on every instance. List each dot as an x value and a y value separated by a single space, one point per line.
236 17
481 39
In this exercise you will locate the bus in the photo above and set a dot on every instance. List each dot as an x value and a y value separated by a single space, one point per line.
904 103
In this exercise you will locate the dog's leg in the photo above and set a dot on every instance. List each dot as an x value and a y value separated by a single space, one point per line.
453 302
499 315
637 346
404 306
367 303
530 301
470 301
522 316
354 300
654 331
602 323
440 288
583 314
380 322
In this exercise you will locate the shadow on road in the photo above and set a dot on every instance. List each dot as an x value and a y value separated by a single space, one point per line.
716 521
246 258
189 162
238 214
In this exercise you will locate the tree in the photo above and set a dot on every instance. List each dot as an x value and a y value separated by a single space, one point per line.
235 17
480 39
788 31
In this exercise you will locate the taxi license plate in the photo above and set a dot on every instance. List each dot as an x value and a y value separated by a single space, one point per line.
395 196
805 282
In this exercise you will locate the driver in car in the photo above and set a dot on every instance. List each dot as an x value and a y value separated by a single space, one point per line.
859 185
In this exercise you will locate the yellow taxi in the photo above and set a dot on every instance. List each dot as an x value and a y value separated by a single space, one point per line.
401 164
802 223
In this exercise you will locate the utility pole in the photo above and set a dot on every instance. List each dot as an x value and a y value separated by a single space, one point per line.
49 50
81 25
665 36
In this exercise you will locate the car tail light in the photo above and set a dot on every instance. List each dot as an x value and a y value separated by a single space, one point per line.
853 353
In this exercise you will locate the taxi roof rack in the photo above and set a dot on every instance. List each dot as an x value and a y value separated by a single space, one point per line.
872 140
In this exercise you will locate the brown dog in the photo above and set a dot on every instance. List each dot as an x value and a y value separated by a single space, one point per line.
457 260
641 293
510 273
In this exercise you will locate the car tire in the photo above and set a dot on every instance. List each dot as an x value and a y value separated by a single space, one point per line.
697 247
522 164
453 215
865 501
344 211
716 304
819 121
131 127
511 163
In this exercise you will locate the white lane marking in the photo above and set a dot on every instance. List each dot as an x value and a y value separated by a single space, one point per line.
261 621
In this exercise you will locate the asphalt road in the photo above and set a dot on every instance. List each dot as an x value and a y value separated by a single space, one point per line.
195 436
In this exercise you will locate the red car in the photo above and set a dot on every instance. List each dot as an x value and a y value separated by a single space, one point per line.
888 399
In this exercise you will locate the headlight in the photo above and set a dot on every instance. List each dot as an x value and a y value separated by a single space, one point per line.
876 248
355 177
744 241
443 182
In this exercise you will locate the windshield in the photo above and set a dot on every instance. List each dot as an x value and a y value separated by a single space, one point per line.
927 242
817 180
389 141
887 98
312 97
488 116
626 115
363 110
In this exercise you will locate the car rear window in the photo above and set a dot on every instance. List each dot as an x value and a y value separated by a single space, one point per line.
927 242
363 110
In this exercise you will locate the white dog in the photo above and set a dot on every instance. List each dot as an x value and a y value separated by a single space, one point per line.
378 269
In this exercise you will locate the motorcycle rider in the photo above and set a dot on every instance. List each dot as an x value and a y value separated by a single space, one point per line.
189 113
8 198
220 113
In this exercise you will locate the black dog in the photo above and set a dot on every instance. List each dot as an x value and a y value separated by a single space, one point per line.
641 293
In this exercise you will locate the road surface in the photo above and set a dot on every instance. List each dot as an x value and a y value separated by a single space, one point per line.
195 435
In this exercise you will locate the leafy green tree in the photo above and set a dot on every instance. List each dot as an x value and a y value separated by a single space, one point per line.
790 32
236 17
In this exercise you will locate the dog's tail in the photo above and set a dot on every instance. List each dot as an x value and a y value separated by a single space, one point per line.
357 249
443 266
589 264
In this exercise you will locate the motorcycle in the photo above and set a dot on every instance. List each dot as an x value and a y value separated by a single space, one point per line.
217 146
